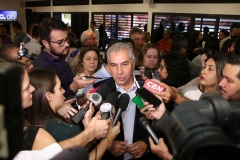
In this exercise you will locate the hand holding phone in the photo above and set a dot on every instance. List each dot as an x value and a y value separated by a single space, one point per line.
147 96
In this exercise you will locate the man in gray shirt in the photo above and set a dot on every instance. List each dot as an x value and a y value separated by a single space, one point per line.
19 36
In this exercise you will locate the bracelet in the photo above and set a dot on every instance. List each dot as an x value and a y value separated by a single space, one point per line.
108 142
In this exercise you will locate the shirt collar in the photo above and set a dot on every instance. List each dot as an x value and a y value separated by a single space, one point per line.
134 86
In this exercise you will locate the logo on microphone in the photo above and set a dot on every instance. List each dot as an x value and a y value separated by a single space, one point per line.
153 86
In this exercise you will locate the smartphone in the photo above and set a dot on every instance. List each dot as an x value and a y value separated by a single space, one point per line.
147 73
138 101
147 96
93 77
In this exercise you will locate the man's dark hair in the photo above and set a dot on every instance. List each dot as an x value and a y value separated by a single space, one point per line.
17 25
179 41
2 26
226 45
35 33
5 50
126 40
48 24
93 22
234 25
225 32
211 46
237 45
235 60
181 26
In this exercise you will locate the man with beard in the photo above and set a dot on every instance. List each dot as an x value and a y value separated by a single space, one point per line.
53 34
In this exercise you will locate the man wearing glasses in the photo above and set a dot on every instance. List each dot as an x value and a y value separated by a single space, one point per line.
53 34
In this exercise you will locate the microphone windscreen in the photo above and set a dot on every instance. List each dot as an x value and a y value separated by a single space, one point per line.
73 153
143 121
123 101
103 90
95 98
112 98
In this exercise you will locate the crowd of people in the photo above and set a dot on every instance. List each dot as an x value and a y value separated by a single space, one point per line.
56 74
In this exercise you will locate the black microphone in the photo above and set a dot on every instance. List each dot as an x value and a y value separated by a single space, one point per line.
145 124
107 109
73 153
122 104
96 98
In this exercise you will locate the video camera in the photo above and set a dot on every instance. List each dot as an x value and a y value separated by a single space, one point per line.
206 129
23 52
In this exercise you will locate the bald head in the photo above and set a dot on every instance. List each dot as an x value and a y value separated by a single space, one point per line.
88 38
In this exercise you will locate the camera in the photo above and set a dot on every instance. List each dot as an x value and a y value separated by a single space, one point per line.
23 52
205 129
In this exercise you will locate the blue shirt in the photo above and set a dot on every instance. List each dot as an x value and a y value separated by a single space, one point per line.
103 73
60 66
74 53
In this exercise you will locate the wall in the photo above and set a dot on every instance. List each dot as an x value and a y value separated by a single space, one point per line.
228 9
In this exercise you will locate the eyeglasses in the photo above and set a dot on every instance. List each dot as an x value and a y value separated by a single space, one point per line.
61 42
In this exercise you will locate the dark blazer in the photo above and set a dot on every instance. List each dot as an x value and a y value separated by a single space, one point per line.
138 133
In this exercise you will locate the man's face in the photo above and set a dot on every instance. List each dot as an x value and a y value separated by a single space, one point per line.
2 30
92 40
166 36
59 45
91 25
139 40
230 84
235 32
121 67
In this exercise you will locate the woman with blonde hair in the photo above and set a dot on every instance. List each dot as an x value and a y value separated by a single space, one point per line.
87 61
148 61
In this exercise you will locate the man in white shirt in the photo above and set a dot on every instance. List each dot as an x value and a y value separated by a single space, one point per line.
96 33
34 47
132 142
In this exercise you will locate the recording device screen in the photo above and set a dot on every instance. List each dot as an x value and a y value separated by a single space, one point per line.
147 96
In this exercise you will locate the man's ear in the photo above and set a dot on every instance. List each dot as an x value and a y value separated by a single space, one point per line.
45 43
49 96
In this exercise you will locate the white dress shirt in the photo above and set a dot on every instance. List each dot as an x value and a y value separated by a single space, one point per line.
128 116
44 154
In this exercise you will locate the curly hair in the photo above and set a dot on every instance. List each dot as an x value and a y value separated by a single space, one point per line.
177 69
76 64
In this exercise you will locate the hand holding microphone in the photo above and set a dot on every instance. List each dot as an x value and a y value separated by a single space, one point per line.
96 99
107 109
145 124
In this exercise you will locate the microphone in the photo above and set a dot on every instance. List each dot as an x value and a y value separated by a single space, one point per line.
96 98
122 104
107 109
145 124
